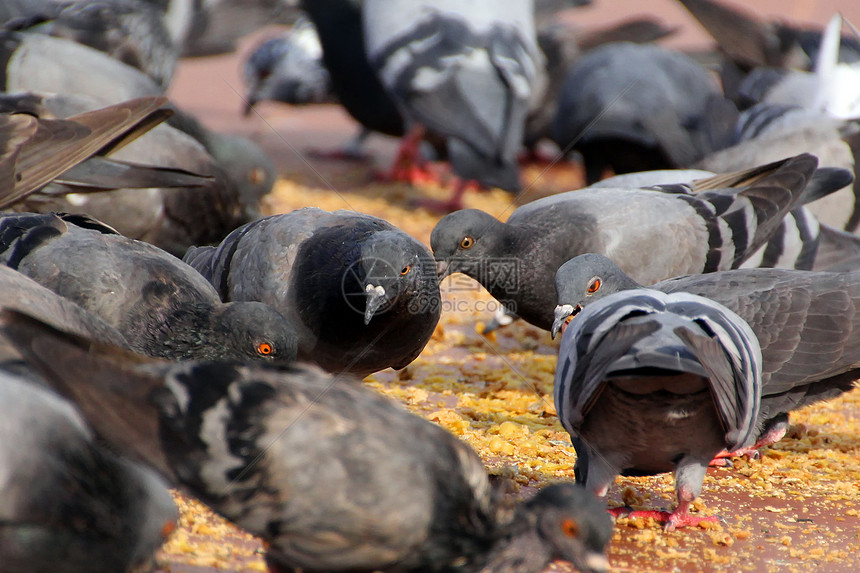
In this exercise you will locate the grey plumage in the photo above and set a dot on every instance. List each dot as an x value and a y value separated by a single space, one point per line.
806 322
634 107
466 72
161 305
362 294
648 382
332 476
130 31
288 68
654 234
66 503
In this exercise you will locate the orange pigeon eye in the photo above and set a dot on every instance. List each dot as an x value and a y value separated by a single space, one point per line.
264 349
570 527
405 270
467 243
168 528
594 285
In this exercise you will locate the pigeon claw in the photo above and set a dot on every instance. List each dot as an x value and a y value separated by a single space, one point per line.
670 520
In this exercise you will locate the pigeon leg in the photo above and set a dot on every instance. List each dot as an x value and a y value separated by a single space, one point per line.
408 166
689 476
453 203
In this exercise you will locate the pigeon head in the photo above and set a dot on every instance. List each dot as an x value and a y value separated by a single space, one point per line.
253 330
248 168
394 267
463 239
583 280
574 525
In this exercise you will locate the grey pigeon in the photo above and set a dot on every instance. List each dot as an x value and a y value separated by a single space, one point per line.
176 194
635 107
25 295
807 324
801 242
649 382
288 68
768 132
332 476
130 31
362 294
66 503
161 305
654 234
464 72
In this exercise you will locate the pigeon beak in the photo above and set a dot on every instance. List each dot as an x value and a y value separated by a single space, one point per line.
564 313
375 299
596 562
443 269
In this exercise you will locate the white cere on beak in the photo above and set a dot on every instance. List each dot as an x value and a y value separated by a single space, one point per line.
377 290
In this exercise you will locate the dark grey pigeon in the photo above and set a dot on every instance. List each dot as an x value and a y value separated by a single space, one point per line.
807 324
635 107
649 382
161 305
465 72
66 503
130 31
653 233
362 294
332 476
288 68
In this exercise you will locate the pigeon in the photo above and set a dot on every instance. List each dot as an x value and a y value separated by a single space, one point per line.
801 242
361 293
131 31
353 81
288 68
66 503
215 26
332 476
173 194
161 305
767 132
464 72
653 233
25 295
635 107
649 382
806 323
37 150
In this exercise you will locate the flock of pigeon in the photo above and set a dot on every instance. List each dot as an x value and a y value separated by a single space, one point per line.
156 332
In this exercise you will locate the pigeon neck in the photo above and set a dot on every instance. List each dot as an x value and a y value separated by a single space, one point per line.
183 334
519 548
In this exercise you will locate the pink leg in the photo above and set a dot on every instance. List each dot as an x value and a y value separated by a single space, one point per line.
408 167
453 203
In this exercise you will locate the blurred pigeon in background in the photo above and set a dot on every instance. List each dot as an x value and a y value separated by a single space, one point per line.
466 73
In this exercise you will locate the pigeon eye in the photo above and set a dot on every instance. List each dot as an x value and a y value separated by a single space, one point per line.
570 527
594 285
264 349
467 243
256 175
405 270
